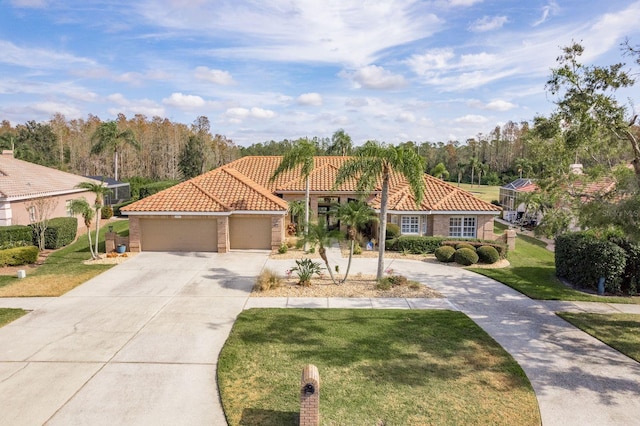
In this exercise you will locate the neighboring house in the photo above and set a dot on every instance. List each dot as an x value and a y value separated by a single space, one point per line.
119 191
513 209
236 206
23 183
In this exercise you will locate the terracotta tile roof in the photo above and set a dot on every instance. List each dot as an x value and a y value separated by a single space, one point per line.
22 180
245 185
218 191
439 196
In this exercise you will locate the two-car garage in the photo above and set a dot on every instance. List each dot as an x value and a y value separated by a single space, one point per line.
194 233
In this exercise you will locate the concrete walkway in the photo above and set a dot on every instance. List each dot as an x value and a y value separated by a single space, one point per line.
139 344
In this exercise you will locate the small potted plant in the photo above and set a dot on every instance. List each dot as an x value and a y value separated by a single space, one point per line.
121 248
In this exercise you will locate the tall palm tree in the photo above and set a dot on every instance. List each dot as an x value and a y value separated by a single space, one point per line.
82 207
461 169
354 214
473 163
301 154
318 234
100 190
374 163
107 136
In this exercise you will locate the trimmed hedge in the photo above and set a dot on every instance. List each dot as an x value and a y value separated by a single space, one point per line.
117 207
19 256
465 245
488 254
475 243
106 212
445 253
61 231
582 259
15 236
466 256
414 244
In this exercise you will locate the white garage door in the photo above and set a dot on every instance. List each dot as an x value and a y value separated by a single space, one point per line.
250 232
178 234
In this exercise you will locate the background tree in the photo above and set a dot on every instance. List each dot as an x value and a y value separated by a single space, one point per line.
300 155
354 215
440 171
191 161
340 144
473 165
41 209
36 143
108 137
372 166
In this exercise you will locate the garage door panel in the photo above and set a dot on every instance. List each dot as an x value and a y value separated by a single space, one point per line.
250 232
179 234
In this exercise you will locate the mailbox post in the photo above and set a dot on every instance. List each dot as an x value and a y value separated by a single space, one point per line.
310 396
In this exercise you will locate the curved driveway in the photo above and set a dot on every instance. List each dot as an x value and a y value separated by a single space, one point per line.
139 343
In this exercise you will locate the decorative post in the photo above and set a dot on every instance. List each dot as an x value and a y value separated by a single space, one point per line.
310 396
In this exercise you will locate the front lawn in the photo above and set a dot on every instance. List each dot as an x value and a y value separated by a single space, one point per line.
486 193
62 271
533 273
620 331
391 367
7 315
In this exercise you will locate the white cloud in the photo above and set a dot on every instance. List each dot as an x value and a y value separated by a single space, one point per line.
312 98
31 4
134 106
182 101
471 119
549 10
237 115
406 117
375 77
464 2
488 23
495 105
330 31
51 108
38 58
220 77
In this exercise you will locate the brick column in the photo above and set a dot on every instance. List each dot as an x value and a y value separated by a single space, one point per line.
223 234
134 234
310 396
277 231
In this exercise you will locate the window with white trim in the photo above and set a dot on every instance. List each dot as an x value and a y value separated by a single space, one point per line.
67 206
462 227
32 214
409 225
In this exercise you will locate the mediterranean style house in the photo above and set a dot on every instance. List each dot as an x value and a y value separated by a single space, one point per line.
23 184
237 206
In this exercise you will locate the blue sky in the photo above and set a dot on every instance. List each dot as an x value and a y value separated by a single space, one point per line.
422 70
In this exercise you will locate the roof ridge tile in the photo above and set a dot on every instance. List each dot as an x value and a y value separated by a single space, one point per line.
208 194
245 180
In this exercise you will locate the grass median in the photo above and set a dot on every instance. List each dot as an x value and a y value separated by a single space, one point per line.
8 314
376 367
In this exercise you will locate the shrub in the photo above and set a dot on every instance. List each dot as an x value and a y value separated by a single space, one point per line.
414 285
106 212
311 250
267 280
475 243
357 249
393 231
488 254
445 253
117 207
15 236
397 280
466 256
305 269
383 284
61 231
155 187
464 245
283 248
582 259
414 244
19 256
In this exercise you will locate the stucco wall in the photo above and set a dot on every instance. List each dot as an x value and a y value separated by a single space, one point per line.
17 213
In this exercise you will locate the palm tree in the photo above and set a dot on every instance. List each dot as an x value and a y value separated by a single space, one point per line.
100 191
440 171
318 234
461 169
354 214
82 207
373 164
301 154
107 136
473 163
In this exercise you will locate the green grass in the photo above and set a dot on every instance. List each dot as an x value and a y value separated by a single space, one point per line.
620 331
533 273
484 192
391 367
7 315
62 271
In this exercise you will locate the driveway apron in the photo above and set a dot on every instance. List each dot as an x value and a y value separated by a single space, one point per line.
136 345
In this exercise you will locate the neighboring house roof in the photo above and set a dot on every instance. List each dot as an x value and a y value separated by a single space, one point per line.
522 185
245 185
21 180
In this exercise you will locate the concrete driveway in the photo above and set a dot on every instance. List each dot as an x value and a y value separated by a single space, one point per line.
136 345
